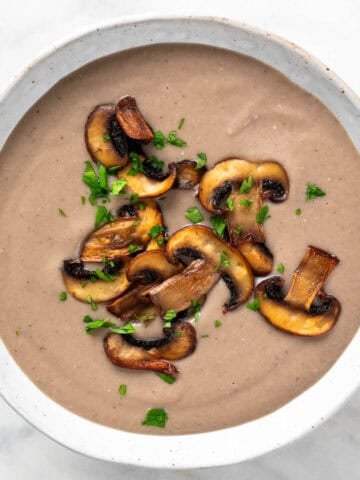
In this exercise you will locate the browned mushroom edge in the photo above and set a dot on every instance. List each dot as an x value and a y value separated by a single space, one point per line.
127 351
104 138
132 121
151 266
188 175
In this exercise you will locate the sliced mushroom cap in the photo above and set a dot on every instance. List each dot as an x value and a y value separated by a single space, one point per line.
151 266
179 291
82 288
259 257
198 241
131 302
306 309
146 187
294 319
105 140
187 175
217 182
113 239
132 121
129 352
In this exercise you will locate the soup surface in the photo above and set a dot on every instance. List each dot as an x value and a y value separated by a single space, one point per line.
233 106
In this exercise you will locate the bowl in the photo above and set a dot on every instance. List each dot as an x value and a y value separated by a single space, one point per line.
228 445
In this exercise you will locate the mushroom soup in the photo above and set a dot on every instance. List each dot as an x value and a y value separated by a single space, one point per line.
226 363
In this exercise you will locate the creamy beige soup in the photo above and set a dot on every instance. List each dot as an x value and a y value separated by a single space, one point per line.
233 106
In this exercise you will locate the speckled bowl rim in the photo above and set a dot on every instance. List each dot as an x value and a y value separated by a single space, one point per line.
221 447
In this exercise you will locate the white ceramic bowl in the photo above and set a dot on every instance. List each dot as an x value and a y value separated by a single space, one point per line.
205 449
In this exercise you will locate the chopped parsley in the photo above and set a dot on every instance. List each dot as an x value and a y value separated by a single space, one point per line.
239 229
97 182
122 389
156 163
181 123
313 191
169 316
230 204
91 302
103 215
194 215
61 212
125 330
63 296
112 170
245 202
196 308
280 268
298 212
206 335
134 198
106 277
83 199
223 262
118 186
141 205
262 215
219 225
160 241
159 140
218 323
173 139
133 248
156 417
246 185
136 164
202 160
106 138
167 378
92 325
254 305
155 231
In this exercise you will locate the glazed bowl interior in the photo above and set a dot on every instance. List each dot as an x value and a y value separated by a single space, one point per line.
204 449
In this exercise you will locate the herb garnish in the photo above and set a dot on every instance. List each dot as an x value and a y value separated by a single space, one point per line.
196 307
134 198
298 212
125 330
169 316
122 389
194 215
155 231
239 229
156 417
167 378
219 225
254 305
94 324
246 185
106 137
106 277
156 163
133 248
202 160
173 139
83 199
118 186
313 191
103 215
181 123
223 262
62 213
159 140
262 215
91 302
245 202
63 296
136 164
217 323
280 268
97 183
230 204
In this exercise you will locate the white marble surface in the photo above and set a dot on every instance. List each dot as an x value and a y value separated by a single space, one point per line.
328 29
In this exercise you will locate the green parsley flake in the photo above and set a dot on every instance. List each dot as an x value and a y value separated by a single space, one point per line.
246 185
262 215
298 212
118 186
245 202
134 198
112 170
202 160
141 205
219 225
160 241
61 212
103 215
97 183
106 277
136 164
63 296
83 199
230 204
206 335
218 323
156 417
181 123
280 268
169 316
93 325
122 389
223 262
155 163
196 308
155 231
106 137
254 305
133 248
167 378
173 139
313 191
239 229
125 330
159 140
91 302
194 215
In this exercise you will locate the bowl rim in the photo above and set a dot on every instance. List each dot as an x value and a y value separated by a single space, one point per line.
207 449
